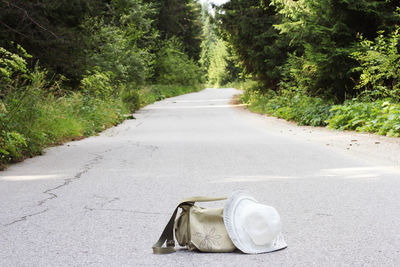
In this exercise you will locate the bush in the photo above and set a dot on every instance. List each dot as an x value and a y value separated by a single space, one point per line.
131 98
98 84
120 41
31 117
173 66
291 106
12 145
379 117
13 69
379 66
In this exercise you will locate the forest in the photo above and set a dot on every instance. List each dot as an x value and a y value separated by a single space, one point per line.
328 63
70 69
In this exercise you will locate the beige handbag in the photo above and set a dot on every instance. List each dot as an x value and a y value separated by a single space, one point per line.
197 228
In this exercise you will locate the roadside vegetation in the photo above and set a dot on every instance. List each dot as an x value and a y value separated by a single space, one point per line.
70 69
320 63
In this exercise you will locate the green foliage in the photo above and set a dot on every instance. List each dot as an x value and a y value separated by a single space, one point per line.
322 34
122 45
294 106
13 69
97 54
173 66
47 120
217 70
305 44
322 60
379 66
32 117
117 55
131 98
380 117
50 30
209 40
98 84
217 60
12 64
11 146
180 19
248 26
70 38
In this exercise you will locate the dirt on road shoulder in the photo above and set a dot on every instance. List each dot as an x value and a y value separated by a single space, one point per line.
378 149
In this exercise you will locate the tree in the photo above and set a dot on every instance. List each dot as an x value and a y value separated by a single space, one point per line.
209 39
248 26
217 71
182 19
121 42
323 35
50 31
217 59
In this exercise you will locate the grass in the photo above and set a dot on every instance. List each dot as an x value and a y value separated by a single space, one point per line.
381 116
33 119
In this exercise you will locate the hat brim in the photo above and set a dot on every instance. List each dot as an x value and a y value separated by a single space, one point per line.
239 240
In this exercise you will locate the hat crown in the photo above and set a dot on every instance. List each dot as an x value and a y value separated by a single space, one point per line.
262 223
252 227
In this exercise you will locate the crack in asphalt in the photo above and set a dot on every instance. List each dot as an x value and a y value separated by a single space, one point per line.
52 195
67 181
100 207
151 147
25 217
109 201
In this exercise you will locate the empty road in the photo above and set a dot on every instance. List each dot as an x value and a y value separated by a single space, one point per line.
104 200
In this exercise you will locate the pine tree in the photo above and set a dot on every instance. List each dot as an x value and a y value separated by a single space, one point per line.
248 26
50 31
323 34
182 19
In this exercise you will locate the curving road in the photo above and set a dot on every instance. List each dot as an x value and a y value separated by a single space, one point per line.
104 201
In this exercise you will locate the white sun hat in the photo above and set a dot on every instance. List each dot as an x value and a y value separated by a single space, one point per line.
253 227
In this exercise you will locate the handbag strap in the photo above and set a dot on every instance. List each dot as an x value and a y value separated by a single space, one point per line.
168 233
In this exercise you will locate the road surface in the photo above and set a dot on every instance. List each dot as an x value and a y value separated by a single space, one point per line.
104 200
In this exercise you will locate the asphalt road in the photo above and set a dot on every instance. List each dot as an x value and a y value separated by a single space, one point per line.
104 201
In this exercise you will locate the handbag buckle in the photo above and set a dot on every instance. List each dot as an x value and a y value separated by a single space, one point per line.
170 243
